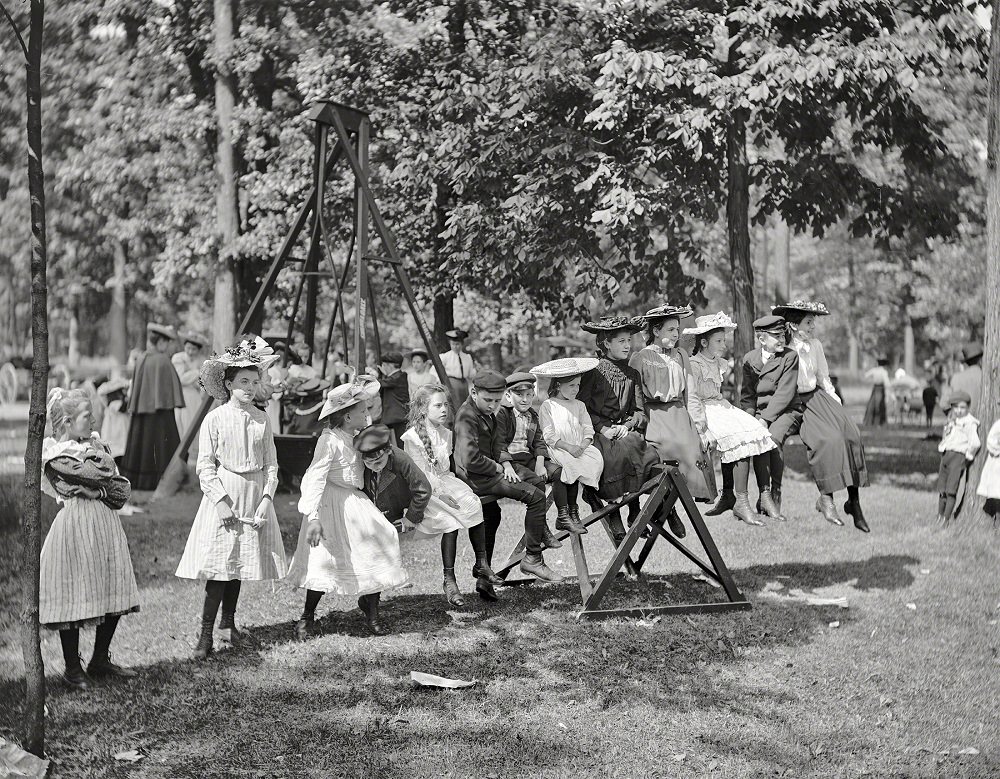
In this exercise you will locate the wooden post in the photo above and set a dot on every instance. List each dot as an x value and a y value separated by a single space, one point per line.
361 248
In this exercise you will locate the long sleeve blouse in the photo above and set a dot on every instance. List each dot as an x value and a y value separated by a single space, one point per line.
238 438
705 386
576 427
813 369
662 374
612 395
335 461
961 435
441 443
187 370
993 440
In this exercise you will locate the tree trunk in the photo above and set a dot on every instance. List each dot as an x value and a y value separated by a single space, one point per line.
444 319
227 196
989 404
31 518
73 352
118 313
909 348
783 270
853 367
738 224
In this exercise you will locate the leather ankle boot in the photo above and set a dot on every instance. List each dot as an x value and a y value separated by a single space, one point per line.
853 508
574 519
76 677
236 637
768 506
743 511
451 592
534 565
824 505
726 502
305 628
549 541
562 519
482 570
204 646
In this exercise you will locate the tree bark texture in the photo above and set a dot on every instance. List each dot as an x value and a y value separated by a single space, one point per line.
227 195
989 404
31 518
444 319
118 313
738 228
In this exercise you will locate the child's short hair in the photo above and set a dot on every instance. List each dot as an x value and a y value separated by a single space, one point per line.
62 406
393 358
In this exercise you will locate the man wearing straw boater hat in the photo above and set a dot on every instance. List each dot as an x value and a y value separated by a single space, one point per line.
458 362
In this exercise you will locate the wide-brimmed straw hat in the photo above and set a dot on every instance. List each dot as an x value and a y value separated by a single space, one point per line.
165 330
456 334
197 339
246 354
972 350
667 312
959 396
564 367
704 324
362 389
612 324
800 307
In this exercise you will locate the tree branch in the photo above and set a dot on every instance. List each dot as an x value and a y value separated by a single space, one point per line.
17 33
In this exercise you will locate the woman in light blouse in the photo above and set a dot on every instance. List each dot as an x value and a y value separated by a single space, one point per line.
235 535
833 442
663 368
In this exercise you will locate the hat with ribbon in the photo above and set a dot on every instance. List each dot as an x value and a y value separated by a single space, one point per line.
667 312
246 354
564 367
191 337
800 307
456 334
362 389
959 396
154 328
709 322
612 324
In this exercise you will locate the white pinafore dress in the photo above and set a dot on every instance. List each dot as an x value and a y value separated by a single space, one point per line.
439 516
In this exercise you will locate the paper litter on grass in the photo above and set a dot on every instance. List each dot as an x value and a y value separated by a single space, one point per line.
700 577
129 756
775 591
430 680
14 762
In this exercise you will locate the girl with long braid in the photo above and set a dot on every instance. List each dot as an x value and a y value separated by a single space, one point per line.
453 505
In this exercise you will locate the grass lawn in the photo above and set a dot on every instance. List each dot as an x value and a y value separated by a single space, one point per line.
904 683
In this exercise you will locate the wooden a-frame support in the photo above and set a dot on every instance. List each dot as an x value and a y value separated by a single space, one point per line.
667 489
351 130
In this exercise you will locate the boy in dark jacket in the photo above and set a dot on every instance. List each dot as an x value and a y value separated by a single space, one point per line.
392 480
522 444
478 461
395 391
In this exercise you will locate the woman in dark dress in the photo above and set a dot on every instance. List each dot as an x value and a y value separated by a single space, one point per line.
156 392
613 396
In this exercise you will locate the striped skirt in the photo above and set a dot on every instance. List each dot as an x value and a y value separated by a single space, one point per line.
222 554
86 570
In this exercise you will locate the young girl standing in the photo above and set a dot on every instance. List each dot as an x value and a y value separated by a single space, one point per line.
346 546
235 535
453 505
567 429
833 442
86 573
738 436
989 479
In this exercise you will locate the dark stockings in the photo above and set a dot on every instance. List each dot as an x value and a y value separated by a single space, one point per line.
230 596
560 494
70 640
572 491
776 467
762 471
727 476
214 592
491 519
477 537
449 550
312 601
854 494
102 638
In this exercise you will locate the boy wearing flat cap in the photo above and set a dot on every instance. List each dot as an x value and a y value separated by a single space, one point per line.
478 448
769 392
524 447
395 394
392 480
958 448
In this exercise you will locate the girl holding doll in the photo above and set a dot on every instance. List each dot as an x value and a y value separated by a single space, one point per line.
235 536
453 505
86 576
568 430
739 437
346 546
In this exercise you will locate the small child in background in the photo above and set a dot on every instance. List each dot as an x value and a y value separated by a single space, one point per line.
114 427
989 480
958 448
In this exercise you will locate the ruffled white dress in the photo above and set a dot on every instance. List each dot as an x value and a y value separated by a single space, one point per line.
86 570
989 480
439 516
569 421
237 462
737 433
359 554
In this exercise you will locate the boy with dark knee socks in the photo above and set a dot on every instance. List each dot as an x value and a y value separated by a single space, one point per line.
958 448
478 461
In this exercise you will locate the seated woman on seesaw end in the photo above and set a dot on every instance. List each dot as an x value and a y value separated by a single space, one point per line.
738 436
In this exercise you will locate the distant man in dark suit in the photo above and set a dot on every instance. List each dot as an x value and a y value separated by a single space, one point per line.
395 394
770 393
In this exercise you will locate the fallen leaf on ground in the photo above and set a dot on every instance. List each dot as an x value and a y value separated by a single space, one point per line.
835 624
925 571
14 761
911 606
968 751
430 680
680 757
129 756
699 577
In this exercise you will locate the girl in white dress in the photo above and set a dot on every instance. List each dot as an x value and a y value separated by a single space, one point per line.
989 479
346 546
566 426
86 573
235 536
187 362
738 436
453 505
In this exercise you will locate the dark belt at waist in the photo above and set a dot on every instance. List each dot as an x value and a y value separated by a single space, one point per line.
664 403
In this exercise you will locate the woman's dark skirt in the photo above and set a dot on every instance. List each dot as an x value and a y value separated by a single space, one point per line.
875 410
672 433
833 444
628 464
152 440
